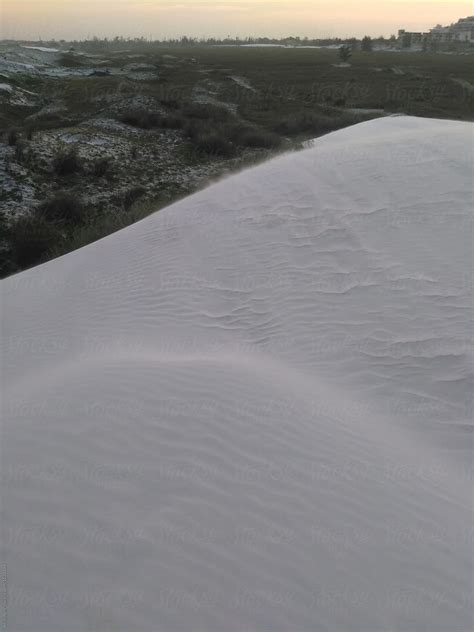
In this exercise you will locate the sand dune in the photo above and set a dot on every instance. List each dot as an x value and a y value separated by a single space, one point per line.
252 410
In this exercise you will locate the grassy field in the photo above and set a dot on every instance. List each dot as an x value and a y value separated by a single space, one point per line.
288 80
284 80
202 112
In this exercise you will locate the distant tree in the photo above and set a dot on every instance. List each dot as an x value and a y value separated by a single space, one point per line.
367 44
345 53
187 41
354 44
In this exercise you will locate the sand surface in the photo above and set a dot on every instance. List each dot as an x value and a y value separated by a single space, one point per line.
252 410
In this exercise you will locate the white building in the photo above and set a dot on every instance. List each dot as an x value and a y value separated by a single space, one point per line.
462 31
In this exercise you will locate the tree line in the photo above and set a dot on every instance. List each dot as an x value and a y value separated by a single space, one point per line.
98 44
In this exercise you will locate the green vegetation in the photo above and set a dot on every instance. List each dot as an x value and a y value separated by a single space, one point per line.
101 167
225 138
213 130
213 112
207 112
367 44
316 124
127 198
140 118
12 137
63 209
69 60
345 53
257 139
146 119
66 163
28 240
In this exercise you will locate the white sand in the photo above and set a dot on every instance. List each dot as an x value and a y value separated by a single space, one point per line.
252 410
42 49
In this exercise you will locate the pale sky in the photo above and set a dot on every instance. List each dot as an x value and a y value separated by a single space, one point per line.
71 19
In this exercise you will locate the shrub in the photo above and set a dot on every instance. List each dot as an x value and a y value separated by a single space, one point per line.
101 167
345 53
173 104
366 44
127 198
62 208
12 137
30 239
207 111
247 136
20 151
47 120
223 138
215 145
210 139
259 139
144 119
70 60
193 129
174 121
132 195
314 123
66 163
5 254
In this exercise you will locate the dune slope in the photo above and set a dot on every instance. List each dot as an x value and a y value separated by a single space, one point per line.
252 410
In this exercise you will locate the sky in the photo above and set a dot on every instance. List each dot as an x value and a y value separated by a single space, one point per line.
77 19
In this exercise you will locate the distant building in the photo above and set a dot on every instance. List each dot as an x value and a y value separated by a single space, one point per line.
407 39
460 32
